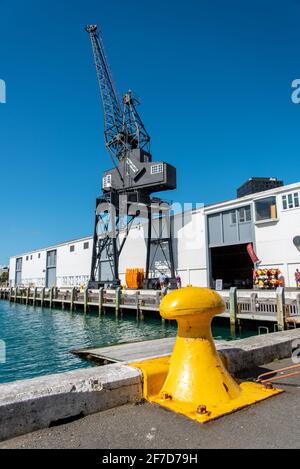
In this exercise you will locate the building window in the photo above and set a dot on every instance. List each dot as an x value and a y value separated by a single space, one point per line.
157 168
290 201
72 248
284 202
39 255
233 217
244 214
265 209
106 181
27 258
86 245
31 257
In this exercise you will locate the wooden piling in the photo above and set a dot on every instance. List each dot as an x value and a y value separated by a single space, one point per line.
73 291
42 296
298 303
100 300
34 296
137 304
233 310
253 302
50 297
85 300
118 301
280 302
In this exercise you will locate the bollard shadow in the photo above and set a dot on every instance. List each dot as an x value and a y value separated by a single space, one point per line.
253 373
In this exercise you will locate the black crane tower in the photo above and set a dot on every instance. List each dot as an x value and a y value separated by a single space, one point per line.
127 187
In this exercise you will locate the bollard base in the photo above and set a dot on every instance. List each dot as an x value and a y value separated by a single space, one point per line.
155 372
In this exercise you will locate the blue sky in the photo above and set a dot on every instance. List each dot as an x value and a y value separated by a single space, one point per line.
215 82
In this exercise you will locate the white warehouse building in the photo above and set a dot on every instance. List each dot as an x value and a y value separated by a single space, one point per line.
210 243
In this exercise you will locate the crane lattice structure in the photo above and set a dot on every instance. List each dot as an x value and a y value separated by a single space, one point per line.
128 186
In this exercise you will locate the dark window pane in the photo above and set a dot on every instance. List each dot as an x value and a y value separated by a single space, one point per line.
233 217
284 202
266 209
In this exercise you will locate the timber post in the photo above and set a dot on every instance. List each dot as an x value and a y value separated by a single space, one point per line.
233 309
42 296
298 303
85 300
100 300
72 298
50 297
118 301
34 295
280 302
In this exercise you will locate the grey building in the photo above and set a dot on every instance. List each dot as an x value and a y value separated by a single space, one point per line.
258 184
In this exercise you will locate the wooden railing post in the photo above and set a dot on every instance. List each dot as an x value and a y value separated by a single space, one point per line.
73 291
118 301
298 303
42 296
137 304
34 295
100 300
51 297
253 302
280 302
233 309
85 300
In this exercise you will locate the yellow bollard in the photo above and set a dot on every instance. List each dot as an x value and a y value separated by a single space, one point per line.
194 380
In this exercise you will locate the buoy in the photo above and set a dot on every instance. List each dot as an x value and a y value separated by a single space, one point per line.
194 380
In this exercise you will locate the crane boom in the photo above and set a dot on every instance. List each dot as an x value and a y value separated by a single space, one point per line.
123 127
113 118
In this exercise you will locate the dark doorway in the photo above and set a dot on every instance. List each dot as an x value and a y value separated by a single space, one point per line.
233 265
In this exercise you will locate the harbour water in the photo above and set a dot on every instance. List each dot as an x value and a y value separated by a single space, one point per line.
38 340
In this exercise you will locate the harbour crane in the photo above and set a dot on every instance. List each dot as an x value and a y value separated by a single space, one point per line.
127 188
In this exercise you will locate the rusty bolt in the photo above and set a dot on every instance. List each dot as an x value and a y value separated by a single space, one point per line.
201 409
268 385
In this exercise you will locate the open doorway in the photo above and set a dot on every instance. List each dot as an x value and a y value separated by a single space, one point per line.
233 265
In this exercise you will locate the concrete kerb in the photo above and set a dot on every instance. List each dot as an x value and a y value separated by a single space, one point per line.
240 355
30 405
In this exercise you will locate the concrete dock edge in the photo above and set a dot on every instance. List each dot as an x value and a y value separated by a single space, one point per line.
244 354
30 405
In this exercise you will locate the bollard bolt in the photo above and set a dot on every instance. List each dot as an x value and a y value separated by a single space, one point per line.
268 385
201 409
